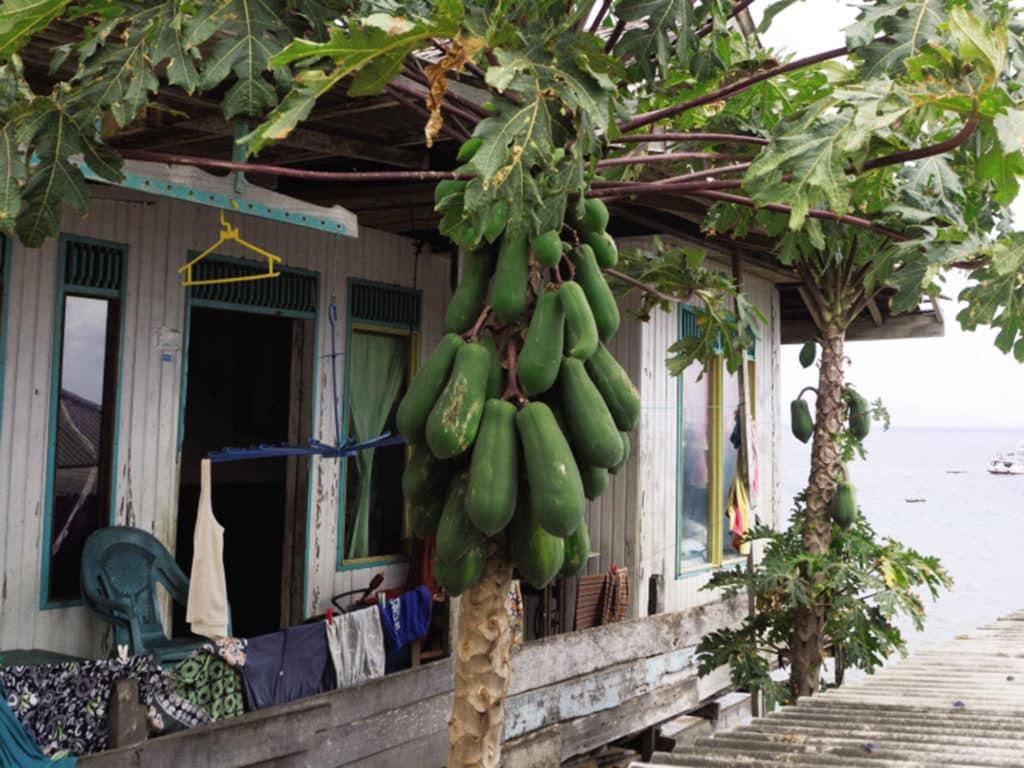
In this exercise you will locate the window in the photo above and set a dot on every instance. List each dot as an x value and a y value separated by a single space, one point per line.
83 413
383 340
709 446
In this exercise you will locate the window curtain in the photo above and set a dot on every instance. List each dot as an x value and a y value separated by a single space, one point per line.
376 369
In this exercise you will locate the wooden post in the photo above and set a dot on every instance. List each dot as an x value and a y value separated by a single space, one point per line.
126 717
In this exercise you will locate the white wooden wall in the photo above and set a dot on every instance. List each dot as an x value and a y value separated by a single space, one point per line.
634 522
159 234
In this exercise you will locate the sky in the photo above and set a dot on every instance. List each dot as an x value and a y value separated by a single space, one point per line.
958 380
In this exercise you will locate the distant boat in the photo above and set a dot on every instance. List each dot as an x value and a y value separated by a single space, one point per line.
1011 463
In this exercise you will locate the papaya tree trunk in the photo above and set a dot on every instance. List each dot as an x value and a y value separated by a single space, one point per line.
483 667
809 621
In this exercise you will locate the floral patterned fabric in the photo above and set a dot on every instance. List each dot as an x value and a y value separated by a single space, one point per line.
64 706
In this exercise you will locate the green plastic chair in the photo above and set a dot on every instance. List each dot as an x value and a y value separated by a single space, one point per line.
121 567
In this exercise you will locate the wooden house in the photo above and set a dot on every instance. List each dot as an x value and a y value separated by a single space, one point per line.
115 380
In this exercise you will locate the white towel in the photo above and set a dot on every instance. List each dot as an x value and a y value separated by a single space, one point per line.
356 642
207 611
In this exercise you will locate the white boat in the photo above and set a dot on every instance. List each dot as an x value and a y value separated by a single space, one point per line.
1011 463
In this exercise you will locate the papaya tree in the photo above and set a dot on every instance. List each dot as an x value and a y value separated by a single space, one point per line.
875 165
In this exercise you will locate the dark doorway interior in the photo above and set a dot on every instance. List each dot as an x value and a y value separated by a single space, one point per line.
239 380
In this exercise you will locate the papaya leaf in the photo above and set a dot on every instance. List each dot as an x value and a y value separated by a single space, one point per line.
977 41
12 173
667 33
251 30
20 19
349 50
889 32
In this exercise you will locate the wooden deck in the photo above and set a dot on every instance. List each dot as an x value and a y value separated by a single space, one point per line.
961 703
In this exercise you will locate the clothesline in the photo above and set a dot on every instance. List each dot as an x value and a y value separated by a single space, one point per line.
315 448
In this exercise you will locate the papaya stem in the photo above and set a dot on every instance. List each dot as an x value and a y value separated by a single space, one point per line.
570 265
805 389
474 332
512 391
575 236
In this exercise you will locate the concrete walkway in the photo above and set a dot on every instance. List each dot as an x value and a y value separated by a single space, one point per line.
961 703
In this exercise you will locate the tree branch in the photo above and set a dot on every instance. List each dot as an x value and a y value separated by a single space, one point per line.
668 157
294 173
654 187
736 138
647 288
814 213
733 88
601 13
933 149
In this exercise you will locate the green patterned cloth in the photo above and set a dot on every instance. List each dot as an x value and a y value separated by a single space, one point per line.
208 681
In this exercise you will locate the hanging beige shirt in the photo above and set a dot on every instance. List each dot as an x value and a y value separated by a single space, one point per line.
207 589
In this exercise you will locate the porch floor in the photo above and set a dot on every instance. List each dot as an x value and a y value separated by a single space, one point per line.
960 703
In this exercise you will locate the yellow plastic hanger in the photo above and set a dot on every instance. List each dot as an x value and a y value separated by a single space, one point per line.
229 233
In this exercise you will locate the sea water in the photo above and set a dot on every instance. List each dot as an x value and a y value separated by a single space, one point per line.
931 490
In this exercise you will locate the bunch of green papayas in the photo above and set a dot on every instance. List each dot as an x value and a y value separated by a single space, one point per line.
521 412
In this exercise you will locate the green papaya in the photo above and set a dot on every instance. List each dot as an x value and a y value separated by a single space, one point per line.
859 415
615 387
605 250
509 294
447 187
595 215
537 553
625 454
843 506
455 532
455 417
497 218
494 469
426 387
494 373
469 148
458 576
592 432
577 551
800 419
424 477
541 357
807 353
581 330
556 497
599 295
547 248
467 302
595 480
425 515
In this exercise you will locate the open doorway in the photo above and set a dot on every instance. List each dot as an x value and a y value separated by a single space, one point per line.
247 379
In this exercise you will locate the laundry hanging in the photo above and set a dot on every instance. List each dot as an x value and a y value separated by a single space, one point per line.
207 611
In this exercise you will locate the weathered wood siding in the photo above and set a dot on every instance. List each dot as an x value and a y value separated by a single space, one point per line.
159 234
569 694
646 515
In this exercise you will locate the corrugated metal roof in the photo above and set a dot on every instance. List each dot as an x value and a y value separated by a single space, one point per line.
961 703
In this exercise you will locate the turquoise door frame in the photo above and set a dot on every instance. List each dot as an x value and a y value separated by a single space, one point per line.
240 306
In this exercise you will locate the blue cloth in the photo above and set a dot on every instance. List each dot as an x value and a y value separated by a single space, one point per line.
406 618
287 665
17 748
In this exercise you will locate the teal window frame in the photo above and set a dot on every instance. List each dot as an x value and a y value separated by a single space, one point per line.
63 290
5 281
716 376
376 315
231 297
